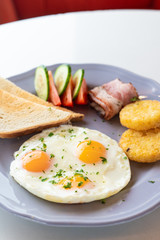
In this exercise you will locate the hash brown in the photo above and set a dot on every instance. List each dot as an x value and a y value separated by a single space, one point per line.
141 146
141 115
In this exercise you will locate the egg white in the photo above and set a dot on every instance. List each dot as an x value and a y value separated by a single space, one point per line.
107 178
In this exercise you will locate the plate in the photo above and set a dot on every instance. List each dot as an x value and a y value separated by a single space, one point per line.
138 198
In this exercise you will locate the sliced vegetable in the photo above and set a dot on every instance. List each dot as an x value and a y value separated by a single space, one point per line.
62 77
66 97
82 98
41 82
53 94
77 82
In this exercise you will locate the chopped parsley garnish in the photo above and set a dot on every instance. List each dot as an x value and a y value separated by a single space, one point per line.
44 150
70 130
85 178
51 170
80 184
97 173
62 157
84 132
40 177
104 160
33 149
103 201
76 191
17 155
53 182
68 185
44 179
107 148
52 155
79 174
81 170
151 181
44 145
125 157
83 165
86 138
70 166
134 99
41 139
24 147
50 134
56 164
59 173
73 135
49 108
89 142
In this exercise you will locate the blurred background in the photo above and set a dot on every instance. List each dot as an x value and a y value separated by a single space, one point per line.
13 10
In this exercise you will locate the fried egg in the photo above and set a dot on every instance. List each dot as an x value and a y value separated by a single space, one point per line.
69 164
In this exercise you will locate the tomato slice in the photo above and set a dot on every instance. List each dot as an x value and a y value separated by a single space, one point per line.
53 94
66 97
82 98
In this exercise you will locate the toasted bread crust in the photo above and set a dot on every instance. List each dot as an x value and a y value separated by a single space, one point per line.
17 91
19 116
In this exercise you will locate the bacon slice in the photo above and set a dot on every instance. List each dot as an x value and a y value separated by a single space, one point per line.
109 98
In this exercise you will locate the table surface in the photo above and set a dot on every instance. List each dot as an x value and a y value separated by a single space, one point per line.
124 38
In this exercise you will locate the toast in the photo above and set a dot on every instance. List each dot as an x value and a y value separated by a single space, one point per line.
19 116
19 92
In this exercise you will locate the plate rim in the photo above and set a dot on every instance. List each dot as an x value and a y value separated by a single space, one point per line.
94 223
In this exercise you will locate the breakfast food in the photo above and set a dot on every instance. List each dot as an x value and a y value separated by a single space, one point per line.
141 143
53 93
141 146
19 116
19 92
10 87
66 98
141 115
63 89
109 98
71 165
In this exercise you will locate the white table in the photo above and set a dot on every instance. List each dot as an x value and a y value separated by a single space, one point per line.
127 39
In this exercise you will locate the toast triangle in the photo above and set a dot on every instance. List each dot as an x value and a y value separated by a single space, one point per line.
12 88
19 116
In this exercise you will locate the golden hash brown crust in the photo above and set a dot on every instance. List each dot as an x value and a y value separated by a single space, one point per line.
141 115
141 146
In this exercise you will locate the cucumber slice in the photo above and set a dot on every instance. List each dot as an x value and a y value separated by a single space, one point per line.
41 82
62 76
77 81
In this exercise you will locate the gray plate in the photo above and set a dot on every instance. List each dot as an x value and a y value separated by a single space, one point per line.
138 198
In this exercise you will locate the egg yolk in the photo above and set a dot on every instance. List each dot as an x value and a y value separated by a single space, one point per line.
36 161
74 182
90 151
